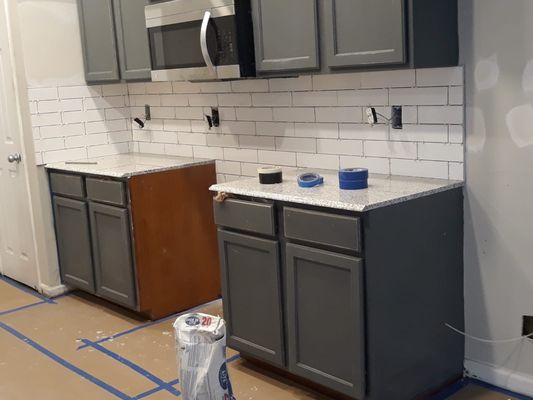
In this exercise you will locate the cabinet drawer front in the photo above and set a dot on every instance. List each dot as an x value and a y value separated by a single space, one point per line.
327 229
106 191
246 216
68 185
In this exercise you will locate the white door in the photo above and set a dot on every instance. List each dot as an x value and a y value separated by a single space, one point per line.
17 251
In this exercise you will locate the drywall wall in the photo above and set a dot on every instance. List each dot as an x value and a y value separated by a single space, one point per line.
497 51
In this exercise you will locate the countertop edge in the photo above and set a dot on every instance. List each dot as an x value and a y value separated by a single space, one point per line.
333 204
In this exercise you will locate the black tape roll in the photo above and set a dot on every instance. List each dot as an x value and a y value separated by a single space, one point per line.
270 175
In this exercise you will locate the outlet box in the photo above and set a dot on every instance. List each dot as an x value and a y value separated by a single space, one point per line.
527 326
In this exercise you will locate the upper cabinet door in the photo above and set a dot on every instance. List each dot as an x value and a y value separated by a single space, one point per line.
132 39
286 35
364 32
98 40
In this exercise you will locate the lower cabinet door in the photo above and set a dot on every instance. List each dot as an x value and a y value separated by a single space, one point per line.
74 243
251 288
113 261
325 319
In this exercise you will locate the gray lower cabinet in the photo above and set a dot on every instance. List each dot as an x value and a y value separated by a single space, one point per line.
364 32
114 40
73 242
325 318
286 35
251 286
113 262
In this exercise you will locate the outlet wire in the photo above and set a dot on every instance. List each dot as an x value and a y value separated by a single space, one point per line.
518 339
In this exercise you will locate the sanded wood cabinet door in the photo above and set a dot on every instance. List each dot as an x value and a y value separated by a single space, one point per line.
325 322
113 261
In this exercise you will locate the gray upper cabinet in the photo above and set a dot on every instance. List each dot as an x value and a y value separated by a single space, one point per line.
286 35
113 260
73 242
325 318
251 286
364 32
98 40
132 39
114 40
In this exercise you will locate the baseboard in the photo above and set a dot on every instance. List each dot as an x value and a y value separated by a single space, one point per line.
501 377
53 291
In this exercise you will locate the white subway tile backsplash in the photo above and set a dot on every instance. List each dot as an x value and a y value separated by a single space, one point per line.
456 171
440 76
308 121
340 146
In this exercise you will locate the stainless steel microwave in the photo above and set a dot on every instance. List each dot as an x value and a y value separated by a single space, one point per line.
196 40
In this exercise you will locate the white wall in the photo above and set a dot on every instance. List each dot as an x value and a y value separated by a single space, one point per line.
497 49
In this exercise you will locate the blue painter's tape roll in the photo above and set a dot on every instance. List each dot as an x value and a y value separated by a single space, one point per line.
353 185
353 174
310 180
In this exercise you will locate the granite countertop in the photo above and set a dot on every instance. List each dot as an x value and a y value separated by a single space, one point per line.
127 165
383 190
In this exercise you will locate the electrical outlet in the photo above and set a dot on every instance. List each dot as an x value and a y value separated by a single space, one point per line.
396 117
527 326
371 115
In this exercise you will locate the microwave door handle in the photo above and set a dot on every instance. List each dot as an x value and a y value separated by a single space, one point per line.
203 44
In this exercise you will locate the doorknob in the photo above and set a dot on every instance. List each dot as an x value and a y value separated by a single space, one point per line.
15 157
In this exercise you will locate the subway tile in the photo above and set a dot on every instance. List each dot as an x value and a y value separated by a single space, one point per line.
275 128
225 113
64 155
189 113
271 99
163 112
106 126
323 161
340 146
339 114
317 130
61 130
364 131
456 171
249 85
238 128
385 79
38 158
50 144
119 89
177 125
137 88
337 81
38 120
86 140
374 165
277 158
449 76
95 103
296 144
215 87
199 139
257 142
117 113
219 140
152 148
174 100
120 136
363 97
235 99
144 135
456 134
246 155
33 107
185 87
419 96
423 169
50 106
50 93
456 95
165 137
153 100
300 83
203 100
178 150
441 152
249 169
324 98
228 167
208 152
296 114
390 149
254 114
420 133
73 92
440 114
158 87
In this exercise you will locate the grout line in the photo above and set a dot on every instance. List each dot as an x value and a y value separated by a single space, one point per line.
25 289
85 375
147 325
148 375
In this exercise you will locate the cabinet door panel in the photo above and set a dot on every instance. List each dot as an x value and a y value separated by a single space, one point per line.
364 32
98 40
325 318
286 35
132 39
74 243
113 261
251 288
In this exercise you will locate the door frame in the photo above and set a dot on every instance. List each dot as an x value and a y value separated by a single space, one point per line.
48 280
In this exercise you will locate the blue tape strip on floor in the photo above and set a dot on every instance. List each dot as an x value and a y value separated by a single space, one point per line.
451 390
456 387
148 375
146 325
25 289
176 381
14 310
85 375
500 390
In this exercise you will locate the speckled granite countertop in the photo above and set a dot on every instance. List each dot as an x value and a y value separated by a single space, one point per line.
126 165
383 190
